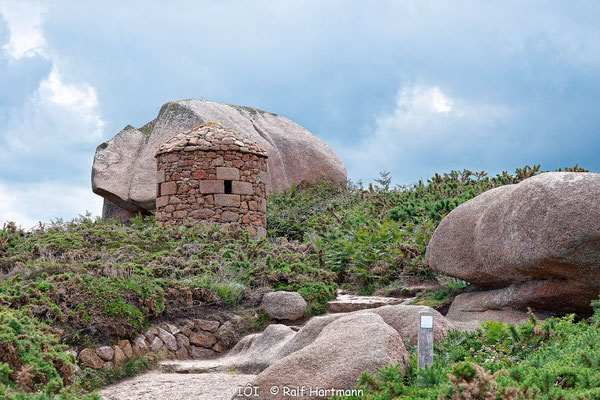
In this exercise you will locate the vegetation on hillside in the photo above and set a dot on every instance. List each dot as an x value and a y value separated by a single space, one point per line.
556 359
88 281
375 238
97 279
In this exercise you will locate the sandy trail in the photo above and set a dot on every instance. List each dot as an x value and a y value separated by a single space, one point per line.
157 385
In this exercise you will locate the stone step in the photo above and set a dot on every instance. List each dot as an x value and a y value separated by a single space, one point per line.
349 302
194 366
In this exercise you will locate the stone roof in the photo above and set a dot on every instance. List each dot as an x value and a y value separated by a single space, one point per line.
209 137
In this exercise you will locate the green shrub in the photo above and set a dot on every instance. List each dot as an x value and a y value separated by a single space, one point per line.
31 359
556 359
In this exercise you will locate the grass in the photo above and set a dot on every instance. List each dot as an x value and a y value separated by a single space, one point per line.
89 380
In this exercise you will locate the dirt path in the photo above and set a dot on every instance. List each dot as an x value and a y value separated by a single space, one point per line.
157 385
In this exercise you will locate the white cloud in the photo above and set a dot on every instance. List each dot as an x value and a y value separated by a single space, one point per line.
69 107
425 124
417 100
440 102
24 20
82 99
57 118
69 112
27 204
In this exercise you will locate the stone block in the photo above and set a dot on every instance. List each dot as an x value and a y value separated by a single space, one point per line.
168 188
211 186
180 214
201 353
162 201
250 229
119 355
199 174
228 200
140 342
156 344
217 162
202 213
90 359
125 345
105 352
172 329
151 334
168 339
229 216
160 176
238 187
207 325
203 339
182 341
182 354
162 353
227 173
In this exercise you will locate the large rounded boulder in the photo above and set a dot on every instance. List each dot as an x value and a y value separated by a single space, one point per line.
335 360
533 244
124 169
284 305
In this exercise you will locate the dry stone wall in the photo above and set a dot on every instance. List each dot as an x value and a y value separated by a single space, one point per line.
196 339
225 186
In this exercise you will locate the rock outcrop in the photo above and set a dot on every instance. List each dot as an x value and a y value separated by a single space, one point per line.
256 352
284 305
336 359
534 244
405 319
124 169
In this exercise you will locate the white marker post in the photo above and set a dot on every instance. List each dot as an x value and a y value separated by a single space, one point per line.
425 340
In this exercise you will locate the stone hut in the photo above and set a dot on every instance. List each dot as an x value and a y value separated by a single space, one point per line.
212 174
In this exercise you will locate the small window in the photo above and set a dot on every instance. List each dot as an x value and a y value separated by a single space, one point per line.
227 187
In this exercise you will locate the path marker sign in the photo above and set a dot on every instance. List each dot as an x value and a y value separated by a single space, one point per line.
425 356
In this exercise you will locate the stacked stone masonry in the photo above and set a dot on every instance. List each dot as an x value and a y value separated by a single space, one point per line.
213 175
196 339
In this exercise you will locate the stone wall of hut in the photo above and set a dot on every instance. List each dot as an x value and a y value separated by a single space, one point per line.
212 186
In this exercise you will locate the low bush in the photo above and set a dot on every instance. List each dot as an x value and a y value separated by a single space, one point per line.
372 237
31 358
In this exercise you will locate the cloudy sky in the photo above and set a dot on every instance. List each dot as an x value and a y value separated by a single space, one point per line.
411 87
